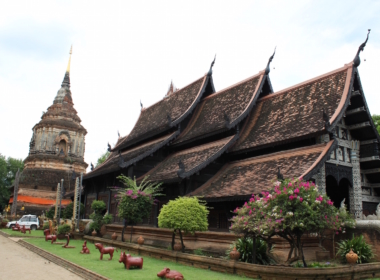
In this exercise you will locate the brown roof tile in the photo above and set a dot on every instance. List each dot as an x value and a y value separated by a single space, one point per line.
297 111
165 113
193 160
223 109
254 175
130 156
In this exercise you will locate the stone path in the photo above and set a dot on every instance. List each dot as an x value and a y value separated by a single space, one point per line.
18 262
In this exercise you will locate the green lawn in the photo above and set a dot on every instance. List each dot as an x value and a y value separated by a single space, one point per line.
38 233
115 270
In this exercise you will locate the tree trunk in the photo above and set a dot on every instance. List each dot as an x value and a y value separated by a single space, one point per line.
123 230
130 240
183 246
254 249
173 237
303 257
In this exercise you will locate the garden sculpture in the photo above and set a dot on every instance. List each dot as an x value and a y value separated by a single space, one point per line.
67 243
48 236
130 261
170 274
85 250
16 227
23 230
107 250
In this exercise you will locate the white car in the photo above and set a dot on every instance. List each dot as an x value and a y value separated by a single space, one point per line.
29 221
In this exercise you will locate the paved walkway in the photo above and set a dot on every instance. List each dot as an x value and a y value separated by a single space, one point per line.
17 262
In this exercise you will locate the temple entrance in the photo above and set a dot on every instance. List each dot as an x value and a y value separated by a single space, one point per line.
338 192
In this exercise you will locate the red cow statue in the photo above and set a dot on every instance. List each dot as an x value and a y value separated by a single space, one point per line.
23 230
85 250
170 274
107 250
53 238
16 227
130 261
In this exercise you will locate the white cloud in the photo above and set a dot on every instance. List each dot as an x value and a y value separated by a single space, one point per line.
124 51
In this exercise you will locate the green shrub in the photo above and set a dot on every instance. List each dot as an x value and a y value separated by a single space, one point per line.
199 252
97 217
68 211
64 229
45 226
245 247
5 220
359 246
50 212
187 214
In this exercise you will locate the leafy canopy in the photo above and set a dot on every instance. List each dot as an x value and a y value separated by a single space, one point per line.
376 121
188 214
103 158
68 211
136 200
8 170
97 217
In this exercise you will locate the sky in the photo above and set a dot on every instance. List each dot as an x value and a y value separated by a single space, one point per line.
127 51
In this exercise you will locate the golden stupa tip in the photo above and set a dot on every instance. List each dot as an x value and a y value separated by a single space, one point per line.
68 65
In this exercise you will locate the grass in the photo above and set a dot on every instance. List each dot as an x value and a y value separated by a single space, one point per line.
33 233
115 270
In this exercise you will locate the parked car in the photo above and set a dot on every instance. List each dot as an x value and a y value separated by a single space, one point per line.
29 221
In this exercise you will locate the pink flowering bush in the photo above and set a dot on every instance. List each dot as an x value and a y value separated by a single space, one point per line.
135 201
291 209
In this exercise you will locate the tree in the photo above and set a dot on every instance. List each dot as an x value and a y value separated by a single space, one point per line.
292 208
376 121
187 214
8 170
68 211
103 158
98 219
135 201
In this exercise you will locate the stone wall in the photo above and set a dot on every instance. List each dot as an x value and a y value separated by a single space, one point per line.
45 179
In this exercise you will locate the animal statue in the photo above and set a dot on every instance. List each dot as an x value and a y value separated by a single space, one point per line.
130 261
49 236
170 274
67 242
23 230
107 250
16 227
85 250
378 211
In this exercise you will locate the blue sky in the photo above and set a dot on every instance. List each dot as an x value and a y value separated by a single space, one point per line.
124 51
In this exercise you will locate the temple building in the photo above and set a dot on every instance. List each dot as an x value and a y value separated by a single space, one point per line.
56 151
226 145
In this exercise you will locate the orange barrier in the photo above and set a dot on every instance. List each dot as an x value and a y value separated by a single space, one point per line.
38 200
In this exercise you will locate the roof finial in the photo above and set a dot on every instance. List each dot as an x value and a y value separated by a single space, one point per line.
361 48
118 133
66 79
267 69
109 147
212 64
68 65
141 105
280 177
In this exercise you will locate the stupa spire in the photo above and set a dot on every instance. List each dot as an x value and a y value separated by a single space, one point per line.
66 79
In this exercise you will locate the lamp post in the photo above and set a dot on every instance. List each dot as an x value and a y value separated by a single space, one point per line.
60 202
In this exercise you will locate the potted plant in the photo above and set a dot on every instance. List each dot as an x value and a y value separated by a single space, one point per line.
4 222
63 230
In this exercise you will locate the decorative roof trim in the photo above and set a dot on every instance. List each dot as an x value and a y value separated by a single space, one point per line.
251 103
132 161
182 175
346 66
149 152
344 101
210 159
125 144
195 102
320 161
